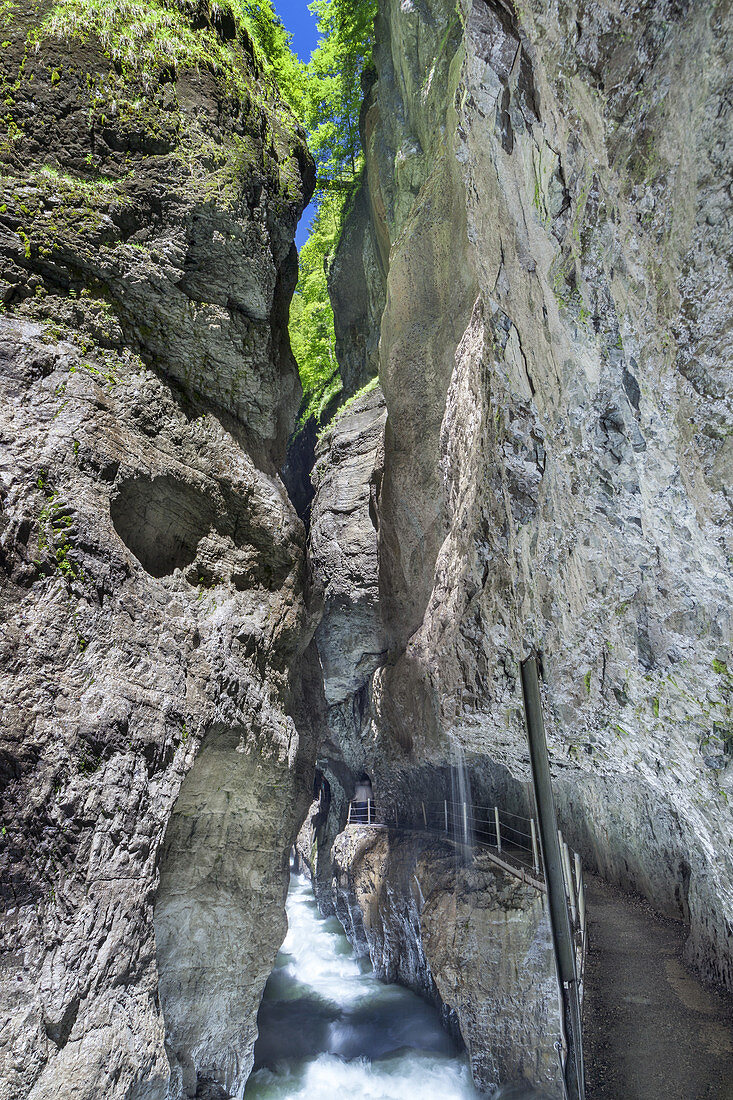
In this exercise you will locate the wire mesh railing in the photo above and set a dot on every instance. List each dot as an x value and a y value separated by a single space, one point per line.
462 822
513 837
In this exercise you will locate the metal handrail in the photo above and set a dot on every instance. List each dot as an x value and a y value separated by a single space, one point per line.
458 821
462 826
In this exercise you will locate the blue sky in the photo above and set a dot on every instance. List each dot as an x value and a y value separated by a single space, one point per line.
302 26
300 23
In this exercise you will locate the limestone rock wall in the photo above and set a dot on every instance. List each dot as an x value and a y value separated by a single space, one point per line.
156 682
343 546
356 284
474 940
351 637
554 357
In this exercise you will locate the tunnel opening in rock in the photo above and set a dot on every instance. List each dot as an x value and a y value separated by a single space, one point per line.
322 793
363 806
161 520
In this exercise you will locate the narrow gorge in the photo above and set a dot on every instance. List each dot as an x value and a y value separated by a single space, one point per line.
226 613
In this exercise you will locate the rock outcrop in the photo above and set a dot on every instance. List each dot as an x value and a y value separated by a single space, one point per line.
357 286
351 636
476 941
343 546
553 188
158 690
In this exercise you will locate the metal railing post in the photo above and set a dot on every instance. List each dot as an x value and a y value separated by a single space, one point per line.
369 811
535 850
445 810
581 894
569 877
498 830
348 819
562 934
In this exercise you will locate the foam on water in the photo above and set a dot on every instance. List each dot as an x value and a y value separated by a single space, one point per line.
328 1027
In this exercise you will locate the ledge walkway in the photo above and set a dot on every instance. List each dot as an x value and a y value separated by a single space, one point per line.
509 840
652 1029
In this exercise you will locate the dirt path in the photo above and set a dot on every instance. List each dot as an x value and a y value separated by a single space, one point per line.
653 1031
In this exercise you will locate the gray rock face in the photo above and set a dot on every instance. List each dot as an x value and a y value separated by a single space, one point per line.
116 683
343 544
156 682
474 940
219 905
356 286
171 203
351 637
557 445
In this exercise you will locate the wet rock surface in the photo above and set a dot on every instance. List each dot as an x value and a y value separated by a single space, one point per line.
343 546
357 284
474 940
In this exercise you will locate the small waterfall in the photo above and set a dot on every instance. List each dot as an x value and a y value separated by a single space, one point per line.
461 815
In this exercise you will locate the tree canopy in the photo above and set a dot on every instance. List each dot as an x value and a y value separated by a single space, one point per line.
325 93
334 94
311 316
274 43
332 103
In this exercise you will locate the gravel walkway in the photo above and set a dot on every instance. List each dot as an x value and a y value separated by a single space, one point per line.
653 1030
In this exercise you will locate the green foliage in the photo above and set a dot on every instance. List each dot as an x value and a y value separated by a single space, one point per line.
145 36
368 388
54 536
331 104
76 207
150 37
311 316
6 13
98 191
104 377
87 764
274 45
334 94
26 243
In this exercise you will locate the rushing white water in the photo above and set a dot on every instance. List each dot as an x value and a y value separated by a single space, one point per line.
329 1029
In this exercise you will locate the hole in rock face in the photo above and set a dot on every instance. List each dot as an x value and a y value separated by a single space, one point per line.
161 520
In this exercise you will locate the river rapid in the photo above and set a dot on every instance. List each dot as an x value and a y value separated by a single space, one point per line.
329 1029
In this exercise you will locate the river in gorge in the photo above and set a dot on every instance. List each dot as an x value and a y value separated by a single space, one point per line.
329 1029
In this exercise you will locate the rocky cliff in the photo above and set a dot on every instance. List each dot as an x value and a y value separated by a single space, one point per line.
351 636
549 187
537 266
476 941
158 689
